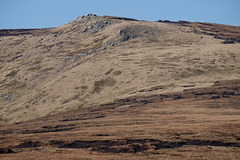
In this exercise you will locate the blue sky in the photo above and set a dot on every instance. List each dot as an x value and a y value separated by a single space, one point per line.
53 13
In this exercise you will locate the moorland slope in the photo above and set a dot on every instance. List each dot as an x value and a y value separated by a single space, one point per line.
104 87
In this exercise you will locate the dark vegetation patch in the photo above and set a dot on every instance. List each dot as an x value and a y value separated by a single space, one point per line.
220 90
47 69
101 84
120 18
109 71
88 144
116 73
83 118
56 142
230 34
155 88
101 135
12 73
29 144
6 151
16 84
138 145
34 68
47 129
212 143
14 58
17 32
84 87
186 86
57 126
4 132
67 101
120 145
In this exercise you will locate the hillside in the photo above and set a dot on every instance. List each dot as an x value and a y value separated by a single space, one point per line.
98 59
193 124
118 85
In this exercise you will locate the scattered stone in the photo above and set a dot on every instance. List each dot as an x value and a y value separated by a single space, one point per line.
84 30
86 17
54 35
82 54
96 27
40 39
66 59
127 34
6 97
135 31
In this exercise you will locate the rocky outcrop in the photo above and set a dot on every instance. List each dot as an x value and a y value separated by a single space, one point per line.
87 17
97 26
132 32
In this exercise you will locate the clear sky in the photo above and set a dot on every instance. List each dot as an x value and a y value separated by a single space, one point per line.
53 13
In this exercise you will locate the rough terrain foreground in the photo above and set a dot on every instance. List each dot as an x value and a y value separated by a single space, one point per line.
117 88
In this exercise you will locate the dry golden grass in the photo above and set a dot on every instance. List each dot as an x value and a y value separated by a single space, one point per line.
229 33
53 62
198 123
113 88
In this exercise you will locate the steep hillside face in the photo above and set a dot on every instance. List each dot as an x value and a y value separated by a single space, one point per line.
96 60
